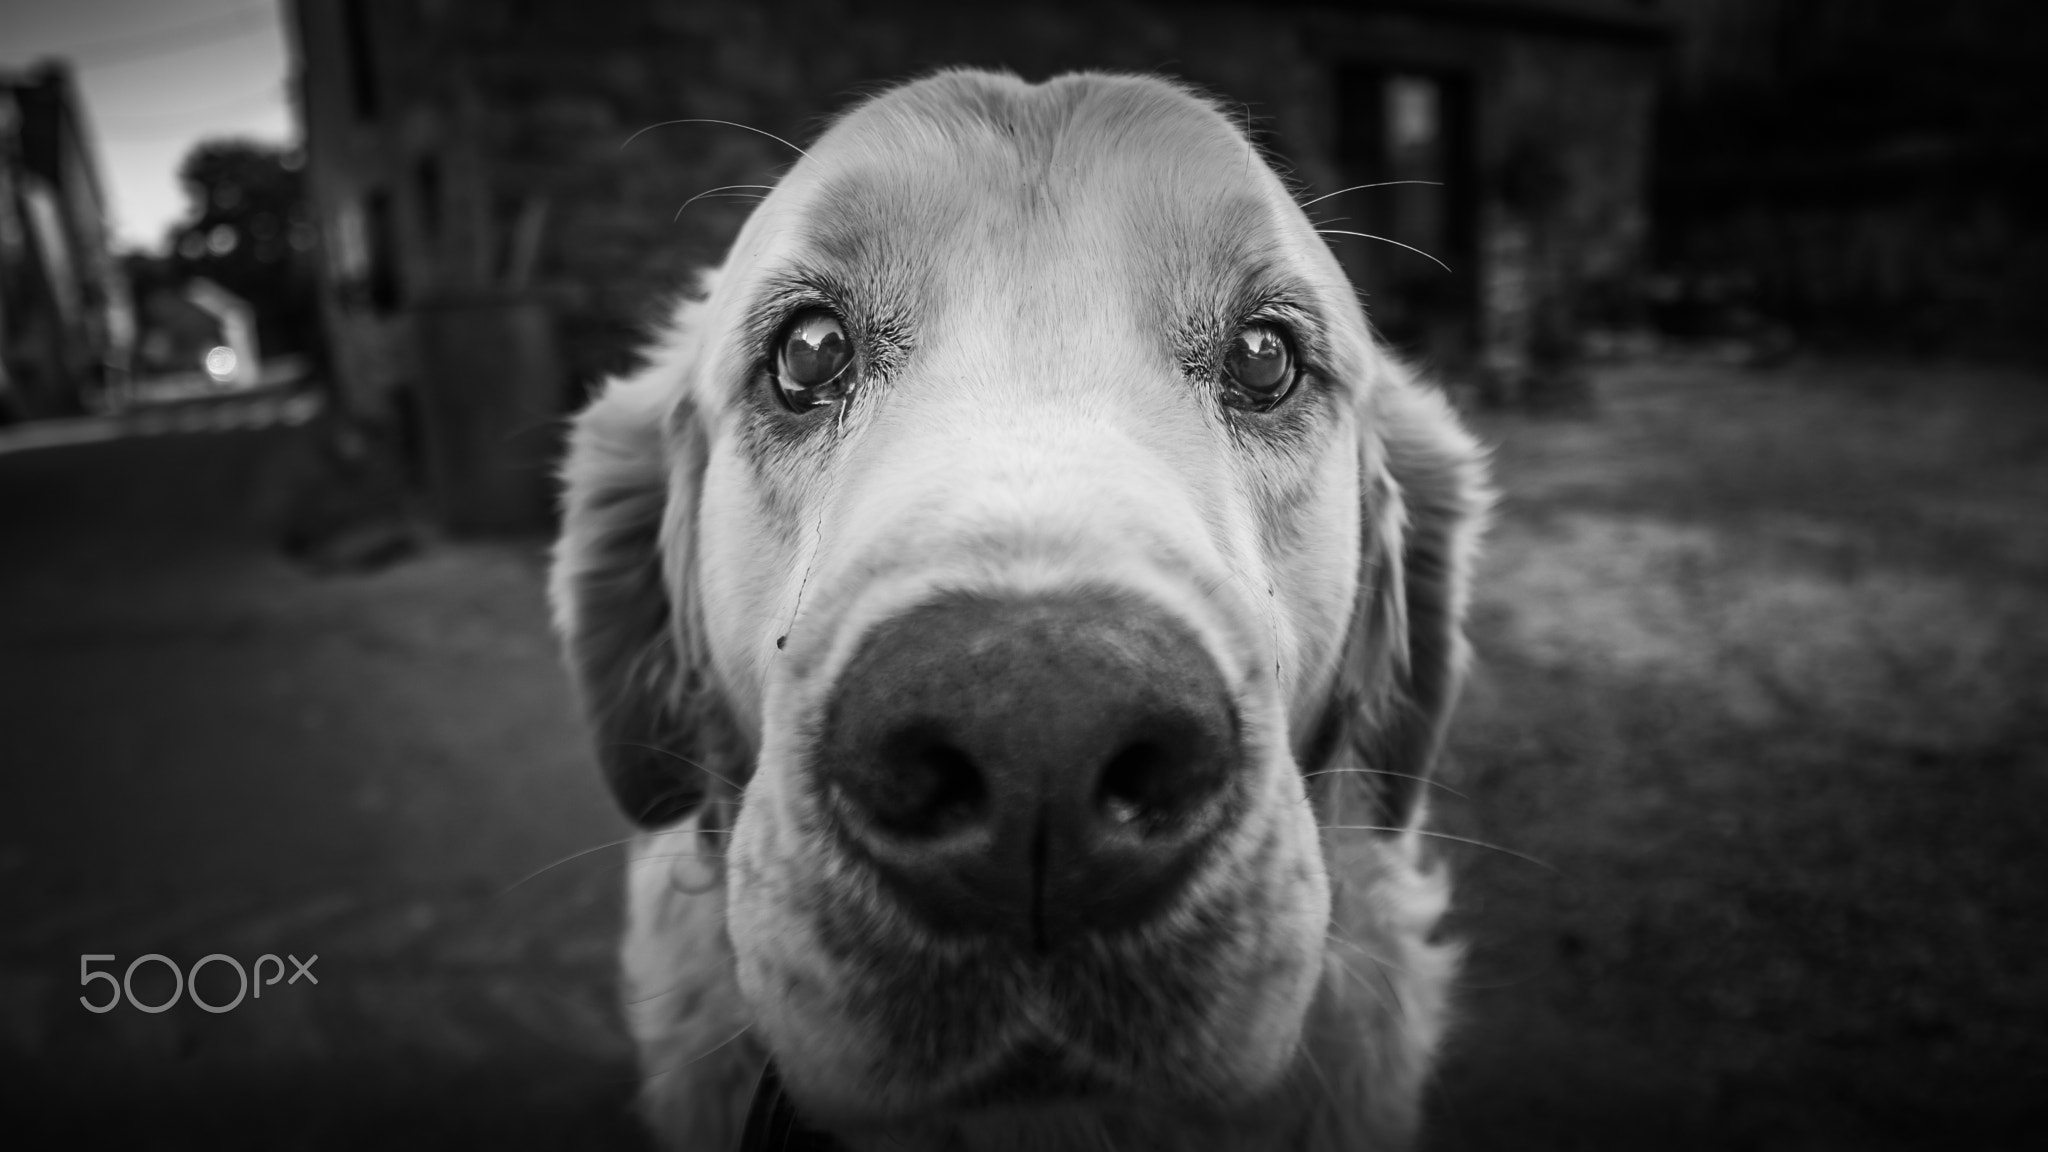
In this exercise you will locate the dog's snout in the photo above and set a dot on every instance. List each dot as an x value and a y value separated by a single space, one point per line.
1031 765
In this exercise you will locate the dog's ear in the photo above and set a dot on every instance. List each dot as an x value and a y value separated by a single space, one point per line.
1423 503
624 593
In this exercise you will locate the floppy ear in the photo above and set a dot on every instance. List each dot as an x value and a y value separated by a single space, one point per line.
624 593
1423 503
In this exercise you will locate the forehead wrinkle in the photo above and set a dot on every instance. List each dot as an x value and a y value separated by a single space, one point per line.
1141 124
947 154
1227 233
1171 200
883 235
1199 214
1214 240
1069 135
1210 257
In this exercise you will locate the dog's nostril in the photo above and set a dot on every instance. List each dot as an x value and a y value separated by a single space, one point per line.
1155 779
1132 787
925 786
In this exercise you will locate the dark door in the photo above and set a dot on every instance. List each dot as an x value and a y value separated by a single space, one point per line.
1410 132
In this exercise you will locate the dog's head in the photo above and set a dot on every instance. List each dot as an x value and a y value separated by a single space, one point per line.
1022 547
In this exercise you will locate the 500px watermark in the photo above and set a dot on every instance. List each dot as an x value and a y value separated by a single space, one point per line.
124 987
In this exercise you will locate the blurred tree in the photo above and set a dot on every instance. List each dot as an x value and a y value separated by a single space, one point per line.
249 229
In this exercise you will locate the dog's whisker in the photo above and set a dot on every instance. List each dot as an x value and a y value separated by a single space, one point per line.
653 996
1363 187
1384 240
1389 995
727 781
1315 1066
1234 574
708 1052
733 190
564 860
708 120
695 1058
744 1029
681 983
1431 781
629 862
1377 960
1546 866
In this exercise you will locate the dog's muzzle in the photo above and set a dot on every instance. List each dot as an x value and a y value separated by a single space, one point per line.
1032 766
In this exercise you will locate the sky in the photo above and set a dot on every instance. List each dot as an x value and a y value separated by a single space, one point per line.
156 77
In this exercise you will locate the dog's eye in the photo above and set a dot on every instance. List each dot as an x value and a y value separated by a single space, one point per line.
1258 369
812 360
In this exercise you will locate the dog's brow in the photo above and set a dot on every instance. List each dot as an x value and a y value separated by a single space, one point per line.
1200 244
864 229
1221 264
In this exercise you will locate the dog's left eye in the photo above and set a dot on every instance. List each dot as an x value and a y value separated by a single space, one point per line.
1258 368
811 361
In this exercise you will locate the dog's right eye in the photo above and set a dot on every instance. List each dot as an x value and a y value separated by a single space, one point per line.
811 361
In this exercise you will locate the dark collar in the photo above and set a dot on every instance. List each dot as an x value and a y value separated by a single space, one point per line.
773 1124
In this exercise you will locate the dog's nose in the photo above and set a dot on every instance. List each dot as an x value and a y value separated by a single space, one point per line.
1031 765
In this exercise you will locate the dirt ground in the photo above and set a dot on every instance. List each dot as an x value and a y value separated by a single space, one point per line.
1763 677
1760 729
210 749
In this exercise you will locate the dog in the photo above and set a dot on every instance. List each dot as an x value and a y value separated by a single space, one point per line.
1020 602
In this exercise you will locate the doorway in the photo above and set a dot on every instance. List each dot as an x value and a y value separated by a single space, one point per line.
1409 131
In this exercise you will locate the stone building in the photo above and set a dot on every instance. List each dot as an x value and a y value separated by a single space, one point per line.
494 152
65 322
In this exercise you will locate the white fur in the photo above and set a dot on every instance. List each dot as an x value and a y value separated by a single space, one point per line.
683 1006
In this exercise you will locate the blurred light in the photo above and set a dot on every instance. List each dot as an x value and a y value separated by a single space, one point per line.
1412 112
222 240
220 362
